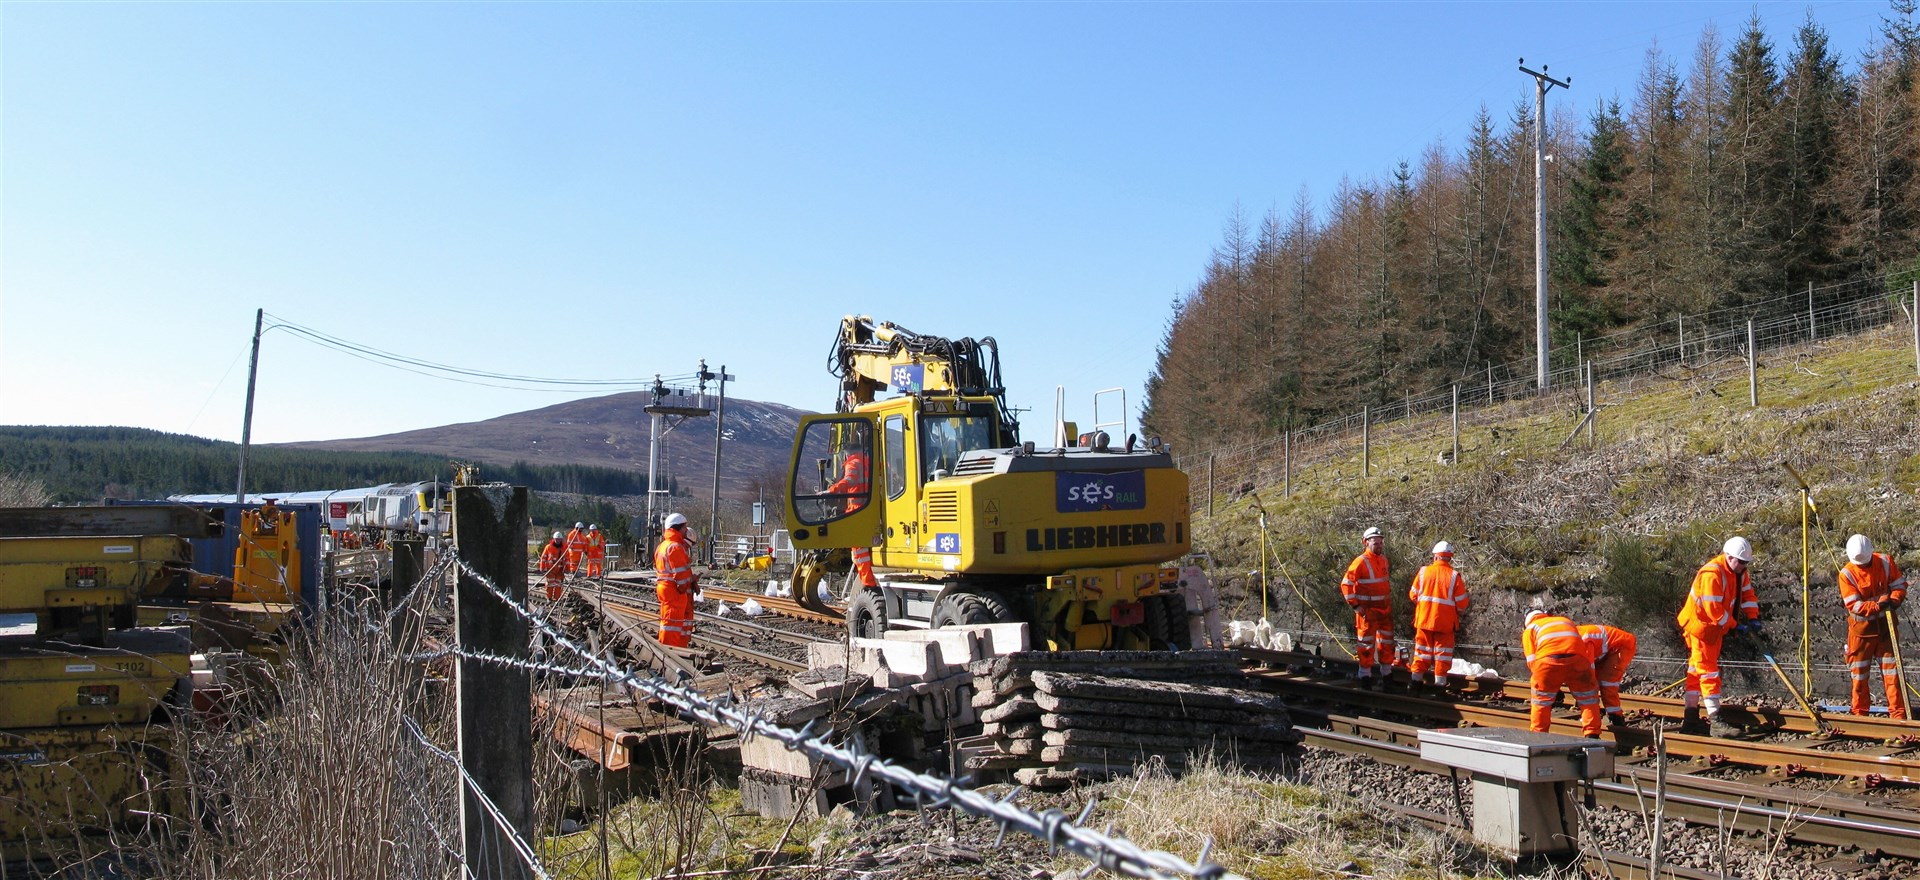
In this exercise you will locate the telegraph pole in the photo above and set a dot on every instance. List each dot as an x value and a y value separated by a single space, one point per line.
246 423
719 432
1541 83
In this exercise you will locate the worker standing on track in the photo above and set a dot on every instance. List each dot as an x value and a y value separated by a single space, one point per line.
673 566
1439 596
1611 649
596 551
1366 592
855 479
1555 658
553 562
1722 593
576 546
1871 586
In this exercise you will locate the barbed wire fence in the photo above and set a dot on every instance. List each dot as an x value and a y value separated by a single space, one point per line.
1703 350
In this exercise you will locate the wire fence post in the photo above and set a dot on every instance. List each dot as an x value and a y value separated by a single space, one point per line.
1916 327
1593 415
495 702
1489 383
1680 322
1209 485
1753 376
1813 334
1456 424
1366 443
1286 451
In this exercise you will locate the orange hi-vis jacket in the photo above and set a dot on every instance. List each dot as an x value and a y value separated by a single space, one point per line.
1868 590
1548 635
853 481
1717 598
550 559
596 544
576 545
1597 641
1365 586
1439 594
673 564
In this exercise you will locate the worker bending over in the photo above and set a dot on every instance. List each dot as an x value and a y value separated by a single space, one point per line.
553 564
1555 659
1611 649
1722 593
1366 592
1439 596
1873 588
673 566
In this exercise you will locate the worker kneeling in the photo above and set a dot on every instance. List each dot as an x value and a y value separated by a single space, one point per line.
1873 588
1555 659
673 566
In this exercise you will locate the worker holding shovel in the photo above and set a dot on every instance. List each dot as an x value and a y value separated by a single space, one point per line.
1872 587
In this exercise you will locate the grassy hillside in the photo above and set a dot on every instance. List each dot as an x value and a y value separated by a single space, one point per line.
1611 531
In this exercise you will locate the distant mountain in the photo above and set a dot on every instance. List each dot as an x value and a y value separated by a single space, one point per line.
611 431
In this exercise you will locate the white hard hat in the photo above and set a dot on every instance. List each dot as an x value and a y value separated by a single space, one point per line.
674 521
593 528
1533 613
1738 548
1859 550
556 536
579 525
1443 547
1371 532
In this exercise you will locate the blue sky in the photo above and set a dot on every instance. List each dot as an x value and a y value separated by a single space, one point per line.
615 190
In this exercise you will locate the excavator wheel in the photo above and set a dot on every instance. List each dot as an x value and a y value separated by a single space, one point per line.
1179 634
1155 624
867 615
967 609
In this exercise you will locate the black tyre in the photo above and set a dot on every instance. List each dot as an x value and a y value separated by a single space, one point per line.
867 615
967 609
1179 632
1155 624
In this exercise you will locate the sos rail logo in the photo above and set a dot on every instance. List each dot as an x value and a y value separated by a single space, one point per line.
1087 492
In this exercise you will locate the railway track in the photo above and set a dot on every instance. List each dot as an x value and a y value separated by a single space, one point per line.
779 649
1788 788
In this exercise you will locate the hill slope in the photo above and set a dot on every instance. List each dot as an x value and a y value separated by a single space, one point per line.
1611 532
611 431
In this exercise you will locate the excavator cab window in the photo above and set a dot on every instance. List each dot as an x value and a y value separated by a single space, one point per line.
832 476
895 429
943 438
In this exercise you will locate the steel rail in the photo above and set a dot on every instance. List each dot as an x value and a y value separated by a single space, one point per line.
1788 759
1887 730
707 640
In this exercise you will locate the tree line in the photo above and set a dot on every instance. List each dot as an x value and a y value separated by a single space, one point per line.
87 465
1724 182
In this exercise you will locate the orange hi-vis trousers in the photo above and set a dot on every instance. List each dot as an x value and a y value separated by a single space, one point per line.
676 616
1703 669
1432 650
1374 628
1610 670
1575 673
1863 653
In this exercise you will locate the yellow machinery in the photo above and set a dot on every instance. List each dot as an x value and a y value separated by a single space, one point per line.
266 557
79 685
969 524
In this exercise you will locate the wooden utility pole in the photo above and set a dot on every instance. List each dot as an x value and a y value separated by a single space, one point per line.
246 423
495 702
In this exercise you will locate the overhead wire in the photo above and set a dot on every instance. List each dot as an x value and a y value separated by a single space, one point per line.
465 375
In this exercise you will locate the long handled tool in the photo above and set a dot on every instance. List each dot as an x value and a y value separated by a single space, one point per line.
1899 668
1819 723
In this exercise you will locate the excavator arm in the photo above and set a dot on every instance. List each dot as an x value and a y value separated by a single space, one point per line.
871 356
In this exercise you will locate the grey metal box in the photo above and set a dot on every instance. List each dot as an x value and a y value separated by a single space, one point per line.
1518 755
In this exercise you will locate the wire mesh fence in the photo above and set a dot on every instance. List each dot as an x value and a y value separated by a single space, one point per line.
1872 317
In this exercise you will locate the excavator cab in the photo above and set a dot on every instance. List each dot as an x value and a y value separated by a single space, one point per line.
833 503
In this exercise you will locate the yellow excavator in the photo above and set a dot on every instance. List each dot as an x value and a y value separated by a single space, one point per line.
967 523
